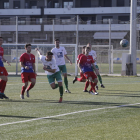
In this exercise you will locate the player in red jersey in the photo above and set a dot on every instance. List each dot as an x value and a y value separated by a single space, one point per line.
83 78
86 65
28 73
3 72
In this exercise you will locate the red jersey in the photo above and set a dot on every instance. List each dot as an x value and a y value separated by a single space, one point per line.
1 57
79 56
28 60
86 63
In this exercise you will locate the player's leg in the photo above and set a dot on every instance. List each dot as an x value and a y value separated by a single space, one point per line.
24 78
4 79
51 79
59 80
32 79
64 71
86 86
81 79
99 77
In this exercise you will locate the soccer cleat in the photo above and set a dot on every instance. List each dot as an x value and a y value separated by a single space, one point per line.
60 100
85 90
96 93
90 92
4 96
67 91
21 96
27 93
1 97
74 80
102 86
96 87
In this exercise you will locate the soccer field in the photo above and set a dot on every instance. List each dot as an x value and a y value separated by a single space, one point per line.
112 115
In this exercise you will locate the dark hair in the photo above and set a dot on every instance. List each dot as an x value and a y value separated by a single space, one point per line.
49 53
87 47
27 45
57 39
83 47
1 37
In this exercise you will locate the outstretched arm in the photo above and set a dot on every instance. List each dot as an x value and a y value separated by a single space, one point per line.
38 51
6 61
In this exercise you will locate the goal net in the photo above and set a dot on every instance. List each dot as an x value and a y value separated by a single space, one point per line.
15 51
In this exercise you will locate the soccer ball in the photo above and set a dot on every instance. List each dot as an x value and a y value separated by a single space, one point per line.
124 42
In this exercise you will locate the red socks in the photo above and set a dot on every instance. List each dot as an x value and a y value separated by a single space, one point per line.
2 85
30 87
23 90
93 86
86 85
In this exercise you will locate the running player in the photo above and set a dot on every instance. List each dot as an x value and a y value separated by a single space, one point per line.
60 54
3 72
85 65
52 71
28 72
93 54
83 78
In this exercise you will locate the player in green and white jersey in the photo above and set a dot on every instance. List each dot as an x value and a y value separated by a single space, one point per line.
93 54
52 71
60 54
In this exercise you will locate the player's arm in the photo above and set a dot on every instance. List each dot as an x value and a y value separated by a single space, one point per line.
68 59
96 70
38 51
49 70
22 65
34 68
6 61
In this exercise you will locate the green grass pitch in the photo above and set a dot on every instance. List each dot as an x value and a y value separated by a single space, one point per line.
81 116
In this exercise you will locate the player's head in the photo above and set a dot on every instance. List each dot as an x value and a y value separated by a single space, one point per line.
28 48
87 50
57 43
49 55
89 45
1 40
83 49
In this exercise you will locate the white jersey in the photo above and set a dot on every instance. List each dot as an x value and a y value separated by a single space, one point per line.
93 54
59 55
49 64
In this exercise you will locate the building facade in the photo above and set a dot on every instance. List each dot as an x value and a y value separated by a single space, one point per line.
39 21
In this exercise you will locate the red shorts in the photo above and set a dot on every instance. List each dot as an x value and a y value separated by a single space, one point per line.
90 74
82 75
27 76
3 71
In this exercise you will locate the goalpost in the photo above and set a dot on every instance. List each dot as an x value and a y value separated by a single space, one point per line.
15 51
104 55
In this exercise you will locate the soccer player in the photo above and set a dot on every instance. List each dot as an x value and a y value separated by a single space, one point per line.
3 72
60 54
93 54
85 65
83 78
28 72
52 71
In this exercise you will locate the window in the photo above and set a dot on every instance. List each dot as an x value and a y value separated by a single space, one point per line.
120 3
124 19
5 21
22 21
33 4
6 5
85 3
56 5
106 20
67 4
105 3
16 4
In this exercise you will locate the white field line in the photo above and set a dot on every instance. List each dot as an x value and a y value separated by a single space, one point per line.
71 113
